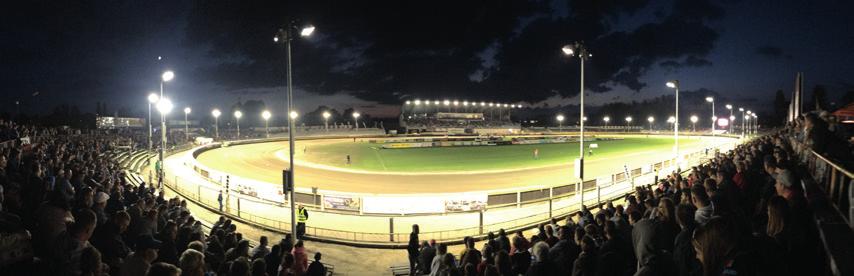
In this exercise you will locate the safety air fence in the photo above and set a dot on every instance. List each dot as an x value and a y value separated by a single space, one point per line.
385 220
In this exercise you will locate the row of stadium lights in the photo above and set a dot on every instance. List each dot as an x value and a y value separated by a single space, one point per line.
458 103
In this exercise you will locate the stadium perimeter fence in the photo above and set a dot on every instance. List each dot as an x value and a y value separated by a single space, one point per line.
511 211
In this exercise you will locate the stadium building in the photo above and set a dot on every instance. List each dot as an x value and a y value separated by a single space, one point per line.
458 117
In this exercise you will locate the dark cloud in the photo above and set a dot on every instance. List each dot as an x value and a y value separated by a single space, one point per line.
392 50
772 52
690 61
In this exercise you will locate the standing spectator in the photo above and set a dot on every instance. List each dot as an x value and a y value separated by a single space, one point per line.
683 252
503 241
261 250
412 249
700 199
426 255
300 259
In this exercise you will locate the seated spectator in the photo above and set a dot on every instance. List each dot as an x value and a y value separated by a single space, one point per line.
541 265
316 268
425 256
259 267
261 250
521 259
585 264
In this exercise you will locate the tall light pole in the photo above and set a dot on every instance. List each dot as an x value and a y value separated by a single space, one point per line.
606 119
164 106
356 119
650 119
578 49
714 117
326 116
237 115
694 120
628 123
216 114
729 106
755 123
742 120
671 120
186 124
266 115
286 35
152 99
559 122
675 85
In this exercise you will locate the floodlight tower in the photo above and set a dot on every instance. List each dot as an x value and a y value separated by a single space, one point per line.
186 124
266 115
675 85
286 35
559 122
578 49
216 114
694 123
714 117
237 115
326 116
152 99
650 119
731 118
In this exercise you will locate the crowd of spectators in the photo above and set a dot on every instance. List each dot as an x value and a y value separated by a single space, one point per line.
742 213
66 208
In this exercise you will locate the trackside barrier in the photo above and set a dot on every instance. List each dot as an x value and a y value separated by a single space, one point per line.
510 211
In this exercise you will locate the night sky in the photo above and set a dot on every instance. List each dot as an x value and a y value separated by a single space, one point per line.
373 55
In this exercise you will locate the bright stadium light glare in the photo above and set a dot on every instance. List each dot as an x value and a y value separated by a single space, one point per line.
694 118
168 75
266 115
650 119
216 113
417 102
729 106
560 118
326 115
710 99
294 114
164 106
568 50
629 119
731 118
482 103
238 114
446 102
671 119
456 103
356 115
465 103
153 98
673 84
606 119
491 104
436 102
505 105
187 110
741 109
408 102
307 31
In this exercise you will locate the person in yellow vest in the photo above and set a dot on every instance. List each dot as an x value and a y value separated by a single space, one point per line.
302 217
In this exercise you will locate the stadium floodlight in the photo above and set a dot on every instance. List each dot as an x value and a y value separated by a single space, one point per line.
584 119
650 119
629 119
671 119
417 102
742 122
741 109
607 120
326 116
712 100
187 111
491 104
675 85
238 114
482 103
356 116
505 105
427 102
580 50
559 122
436 102
152 99
294 115
266 115
168 76
729 106
408 103
306 31
216 114
164 106
694 120
465 103
446 102
456 103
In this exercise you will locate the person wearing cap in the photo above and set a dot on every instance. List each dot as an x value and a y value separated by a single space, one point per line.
138 263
